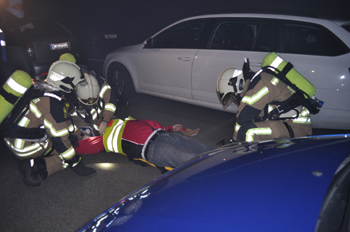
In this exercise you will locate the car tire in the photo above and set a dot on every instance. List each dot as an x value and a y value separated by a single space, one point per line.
119 78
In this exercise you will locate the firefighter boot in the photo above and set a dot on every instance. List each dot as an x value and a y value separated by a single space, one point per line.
33 171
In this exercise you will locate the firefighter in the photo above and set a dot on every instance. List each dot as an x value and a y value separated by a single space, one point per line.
14 23
97 101
257 95
48 115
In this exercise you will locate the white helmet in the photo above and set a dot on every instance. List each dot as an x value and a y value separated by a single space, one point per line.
230 83
64 75
88 90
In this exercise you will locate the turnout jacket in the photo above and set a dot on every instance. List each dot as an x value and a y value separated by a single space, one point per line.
131 136
104 110
262 96
48 112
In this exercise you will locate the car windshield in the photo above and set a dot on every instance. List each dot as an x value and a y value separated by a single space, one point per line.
46 28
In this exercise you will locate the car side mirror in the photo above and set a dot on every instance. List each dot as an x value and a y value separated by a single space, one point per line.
149 43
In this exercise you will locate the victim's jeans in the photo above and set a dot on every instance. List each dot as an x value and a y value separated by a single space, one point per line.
172 149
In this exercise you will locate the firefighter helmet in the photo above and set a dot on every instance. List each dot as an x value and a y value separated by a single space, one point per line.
229 85
64 75
69 57
88 90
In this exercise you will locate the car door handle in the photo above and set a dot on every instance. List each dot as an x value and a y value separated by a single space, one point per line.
185 58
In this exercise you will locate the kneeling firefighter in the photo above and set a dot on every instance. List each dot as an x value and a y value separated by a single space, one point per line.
97 101
42 135
271 103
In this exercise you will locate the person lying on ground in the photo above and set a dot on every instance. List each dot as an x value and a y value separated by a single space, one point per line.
146 142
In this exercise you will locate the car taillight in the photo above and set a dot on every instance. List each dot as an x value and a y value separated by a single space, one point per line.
30 50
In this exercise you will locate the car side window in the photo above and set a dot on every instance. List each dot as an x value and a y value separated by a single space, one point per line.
183 35
242 34
45 28
346 26
309 39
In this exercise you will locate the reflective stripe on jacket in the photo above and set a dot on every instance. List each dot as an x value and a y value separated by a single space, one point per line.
112 138
135 131
264 90
50 113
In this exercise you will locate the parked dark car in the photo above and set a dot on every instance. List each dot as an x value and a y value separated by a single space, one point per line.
36 49
291 185
96 43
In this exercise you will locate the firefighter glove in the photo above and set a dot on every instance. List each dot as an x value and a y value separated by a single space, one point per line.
102 127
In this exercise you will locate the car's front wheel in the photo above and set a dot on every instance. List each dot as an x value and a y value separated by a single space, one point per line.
118 77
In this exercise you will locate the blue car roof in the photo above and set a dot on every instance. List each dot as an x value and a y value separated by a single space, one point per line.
268 186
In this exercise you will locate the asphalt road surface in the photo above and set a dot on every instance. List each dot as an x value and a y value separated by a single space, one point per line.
66 202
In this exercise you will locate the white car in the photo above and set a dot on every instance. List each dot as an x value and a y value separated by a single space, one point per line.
184 60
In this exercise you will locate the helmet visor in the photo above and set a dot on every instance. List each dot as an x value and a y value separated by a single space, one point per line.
89 101
226 99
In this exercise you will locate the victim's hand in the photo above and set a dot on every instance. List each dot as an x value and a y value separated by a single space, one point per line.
177 127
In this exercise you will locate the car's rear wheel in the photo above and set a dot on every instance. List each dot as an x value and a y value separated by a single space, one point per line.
118 77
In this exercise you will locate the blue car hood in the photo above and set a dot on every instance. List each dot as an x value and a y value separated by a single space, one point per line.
267 186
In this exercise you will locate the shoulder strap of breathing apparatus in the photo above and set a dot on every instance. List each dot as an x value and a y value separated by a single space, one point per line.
9 127
299 98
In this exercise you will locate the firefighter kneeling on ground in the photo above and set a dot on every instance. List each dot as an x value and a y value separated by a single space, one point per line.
97 101
42 137
268 108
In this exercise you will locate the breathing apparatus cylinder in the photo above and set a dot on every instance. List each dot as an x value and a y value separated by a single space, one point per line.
13 89
272 59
